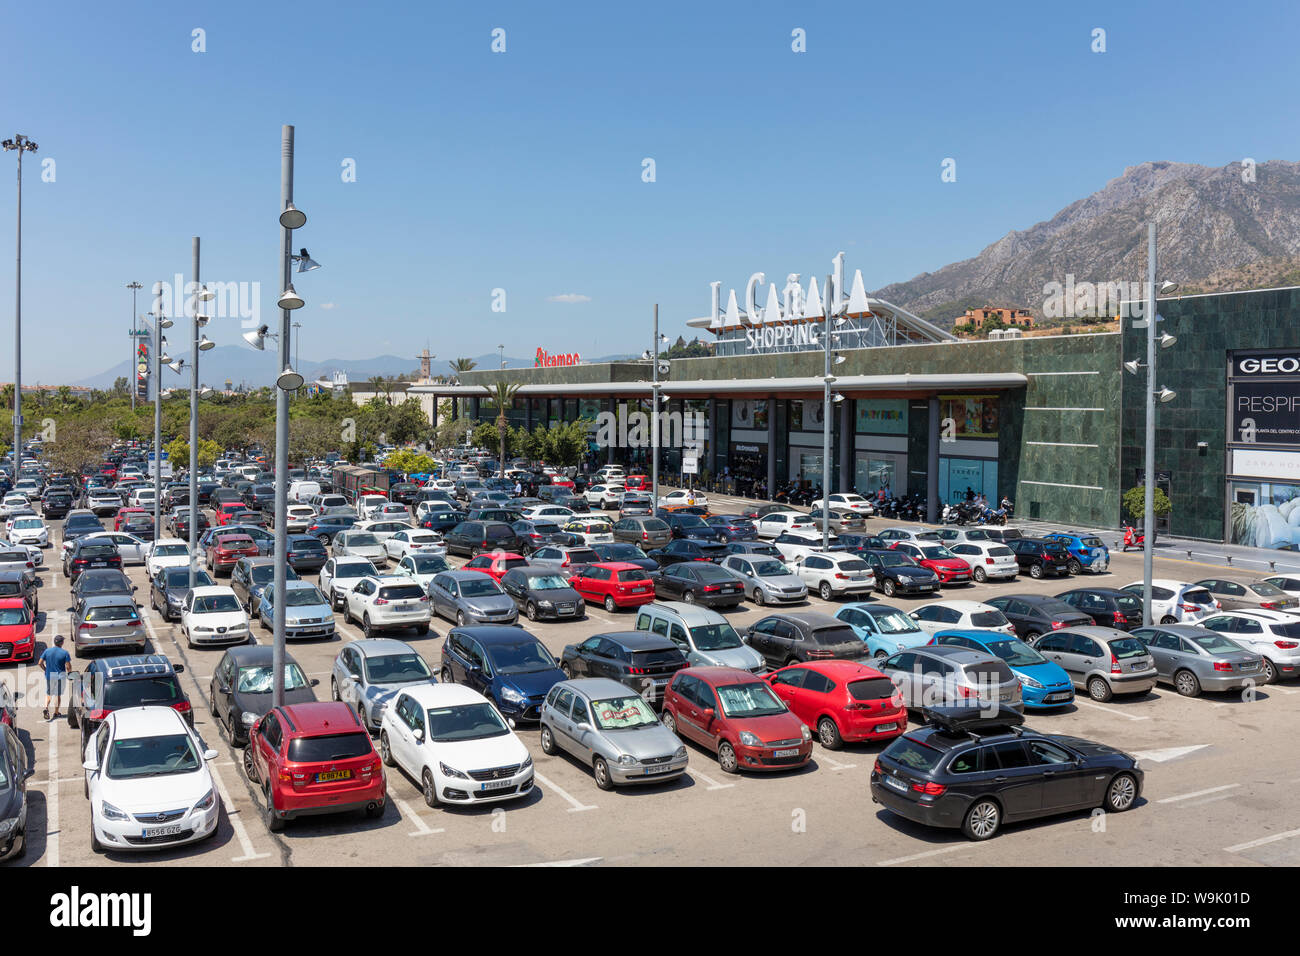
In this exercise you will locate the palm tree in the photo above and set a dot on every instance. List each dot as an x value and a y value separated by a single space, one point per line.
461 365
501 395
380 385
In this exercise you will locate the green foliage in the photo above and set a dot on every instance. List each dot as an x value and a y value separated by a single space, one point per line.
178 451
408 461
1134 502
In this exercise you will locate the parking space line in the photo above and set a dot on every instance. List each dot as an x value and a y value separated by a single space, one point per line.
1108 710
929 853
421 828
574 805
713 784
232 814
1289 834
52 799
584 861
1199 793
835 764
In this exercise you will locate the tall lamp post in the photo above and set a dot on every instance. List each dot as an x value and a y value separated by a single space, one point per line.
653 356
133 377
23 145
830 310
203 344
160 322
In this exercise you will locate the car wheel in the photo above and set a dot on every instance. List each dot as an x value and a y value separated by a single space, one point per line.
610 606
445 675
385 750
1121 793
531 610
982 820
337 603
72 718
880 654
1167 619
1185 683
758 597
1031 637
429 788
689 597
829 734
366 629
601 770
334 689
824 589
460 618
727 758
273 822
1270 672
1099 690
1074 567
548 741
888 588
669 721
95 845
979 575
1035 570
250 768
323 539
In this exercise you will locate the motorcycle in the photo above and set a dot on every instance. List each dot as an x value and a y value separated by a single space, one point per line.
1134 538
950 515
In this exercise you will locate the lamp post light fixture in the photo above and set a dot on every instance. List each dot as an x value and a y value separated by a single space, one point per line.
23 145
160 322
653 355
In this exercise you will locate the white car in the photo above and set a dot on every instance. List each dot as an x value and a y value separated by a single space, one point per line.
426 508
339 574
368 505
553 513
605 496
914 535
1176 602
383 528
16 500
103 501
130 548
832 574
29 488
213 616
987 559
388 602
360 544
421 567
776 523
166 553
1287 583
413 541
1273 635
968 615
682 498
441 484
452 740
591 530
148 782
298 518
798 544
141 498
28 530
848 502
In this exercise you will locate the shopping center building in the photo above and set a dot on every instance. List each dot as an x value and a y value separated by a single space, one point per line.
1052 421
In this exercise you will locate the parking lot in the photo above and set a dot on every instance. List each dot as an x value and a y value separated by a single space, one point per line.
1220 773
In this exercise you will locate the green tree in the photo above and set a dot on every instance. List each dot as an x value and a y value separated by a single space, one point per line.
501 396
1135 503
178 451
409 462
460 365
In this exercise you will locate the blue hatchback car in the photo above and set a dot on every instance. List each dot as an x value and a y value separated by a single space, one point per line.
1045 684
506 664
886 630
1087 552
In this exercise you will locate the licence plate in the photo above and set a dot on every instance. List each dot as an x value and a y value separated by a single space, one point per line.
333 775
1055 698
407 607
162 831
785 753
884 727
1005 695
896 784
662 768
497 785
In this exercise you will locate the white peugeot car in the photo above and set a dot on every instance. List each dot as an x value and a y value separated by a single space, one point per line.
776 523
452 740
388 602
1176 602
213 615
848 502
148 782
684 498
413 541
987 559
832 574
968 615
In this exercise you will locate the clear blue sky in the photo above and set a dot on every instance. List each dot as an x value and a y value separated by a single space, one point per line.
522 170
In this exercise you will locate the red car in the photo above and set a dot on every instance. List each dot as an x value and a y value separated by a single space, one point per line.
17 630
496 563
950 568
123 513
226 549
637 483
615 584
841 701
736 715
559 481
226 509
311 759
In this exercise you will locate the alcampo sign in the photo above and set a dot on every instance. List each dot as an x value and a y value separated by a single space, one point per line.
545 359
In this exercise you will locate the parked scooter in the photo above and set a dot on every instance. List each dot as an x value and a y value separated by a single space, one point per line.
1134 538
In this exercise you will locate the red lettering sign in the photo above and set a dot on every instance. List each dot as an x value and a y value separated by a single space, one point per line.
544 359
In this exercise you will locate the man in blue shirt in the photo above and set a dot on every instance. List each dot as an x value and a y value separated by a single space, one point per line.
56 663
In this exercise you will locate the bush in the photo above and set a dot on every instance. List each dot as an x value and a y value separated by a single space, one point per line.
1135 503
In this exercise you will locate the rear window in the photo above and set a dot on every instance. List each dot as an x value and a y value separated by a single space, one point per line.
1198 596
1129 602
1127 647
402 592
89 551
331 747
1001 552
113 612
651 658
856 564
629 576
987 619
912 754
876 688
493 531
654 524
829 636
140 692
582 556
1267 589
989 672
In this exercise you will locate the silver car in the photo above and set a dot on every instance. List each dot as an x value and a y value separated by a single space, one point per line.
1194 659
360 544
611 729
471 597
944 675
306 611
766 580
1101 660
367 674
111 621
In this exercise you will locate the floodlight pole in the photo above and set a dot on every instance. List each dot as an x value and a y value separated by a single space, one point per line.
1149 484
282 426
654 415
194 421
828 310
133 375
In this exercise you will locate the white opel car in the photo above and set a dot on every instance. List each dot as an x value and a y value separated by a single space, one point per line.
213 615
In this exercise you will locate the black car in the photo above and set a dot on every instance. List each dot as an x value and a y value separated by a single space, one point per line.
324 528
896 573
1040 557
100 582
795 636
537 534
575 503
114 683
543 593
699 582
260 498
973 771
442 521
168 587
1109 607
755 547
855 542
1033 615
508 515
472 537
56 503
305 553
14 773
241 688
625 554
86 554
689 526
404 492
730 528
688 549
16 583
78 524
181 523
644 661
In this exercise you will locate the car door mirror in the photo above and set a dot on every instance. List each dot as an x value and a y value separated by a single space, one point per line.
210 754
583 726
29 773
315 682
709 713
418 734
90 765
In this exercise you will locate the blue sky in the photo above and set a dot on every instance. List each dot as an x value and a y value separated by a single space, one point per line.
522 170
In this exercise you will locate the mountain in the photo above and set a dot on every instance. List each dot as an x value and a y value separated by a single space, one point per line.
1209 221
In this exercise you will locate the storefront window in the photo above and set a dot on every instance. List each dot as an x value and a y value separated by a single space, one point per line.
871 475
1263 514
959 476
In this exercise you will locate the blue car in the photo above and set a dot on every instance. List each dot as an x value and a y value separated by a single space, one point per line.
506 664
305 553
886 630
1045 685
1087 552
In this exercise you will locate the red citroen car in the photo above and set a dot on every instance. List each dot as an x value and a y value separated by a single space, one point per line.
950 568
496 563
17 630
736 715
841 701
615 584
311 759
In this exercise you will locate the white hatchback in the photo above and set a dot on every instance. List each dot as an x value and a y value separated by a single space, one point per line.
213 615
167 553
987 559
967 615
1176 602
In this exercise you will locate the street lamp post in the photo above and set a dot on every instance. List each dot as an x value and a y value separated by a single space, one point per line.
198 320
830 314
23 145
160 322
133 374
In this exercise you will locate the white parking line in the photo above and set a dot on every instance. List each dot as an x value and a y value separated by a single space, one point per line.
1199 793
834 764
574 805
928 853
1289 834
241 834
1108 710
584 861
713 784
421 828
52 800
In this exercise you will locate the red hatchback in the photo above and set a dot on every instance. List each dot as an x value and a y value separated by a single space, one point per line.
124 513
950 568
226 549
311 759
17 630
496 563
615 584
226 509
736 715
841 701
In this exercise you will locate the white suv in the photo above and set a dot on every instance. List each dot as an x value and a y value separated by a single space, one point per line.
1273 635
832 575
388 602
297 518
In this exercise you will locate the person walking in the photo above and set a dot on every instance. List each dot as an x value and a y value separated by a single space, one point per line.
56 663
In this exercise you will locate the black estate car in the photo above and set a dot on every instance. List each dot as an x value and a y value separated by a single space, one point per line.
1109 607
1033 615
113 683
644 661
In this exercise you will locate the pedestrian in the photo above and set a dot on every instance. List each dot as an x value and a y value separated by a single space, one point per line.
56 663
519 489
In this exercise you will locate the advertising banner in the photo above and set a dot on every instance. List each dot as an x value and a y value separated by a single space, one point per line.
882 416
974 416
1266 412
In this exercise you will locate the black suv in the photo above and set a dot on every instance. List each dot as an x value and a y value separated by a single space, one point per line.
1040 557
56 503
972 771
86 554
1109 607
113 683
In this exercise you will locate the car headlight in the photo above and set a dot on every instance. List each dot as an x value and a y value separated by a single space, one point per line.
749 740
1030 682
679 753
208 800
528 762
111 812
512 695
545 604
451 771
807 734
626 760
248 719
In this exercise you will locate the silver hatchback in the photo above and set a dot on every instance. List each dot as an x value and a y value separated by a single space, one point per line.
766 580
611 729
1101 660
947 675
104 622
1195 659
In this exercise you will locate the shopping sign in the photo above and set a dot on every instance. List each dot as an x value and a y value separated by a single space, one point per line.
545 359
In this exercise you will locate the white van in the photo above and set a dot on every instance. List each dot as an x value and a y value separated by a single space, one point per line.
300 489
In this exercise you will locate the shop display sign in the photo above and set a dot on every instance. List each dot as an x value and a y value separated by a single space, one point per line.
882 416
1266 413
973 416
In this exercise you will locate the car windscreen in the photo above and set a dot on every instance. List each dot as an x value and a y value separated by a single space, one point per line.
466 722
749 700
24 524
170 550
180 578
305 597
256 679
771 569
480 586
937 553
621 713
895 622
1015 653
215 603
547 582
362 539
525 657
158 756
1126 647
354 569
401 592
715 637
892 560
429 565
990 618
396 669
14 615
329 747
872 688
831 636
